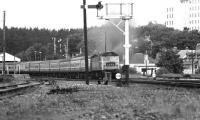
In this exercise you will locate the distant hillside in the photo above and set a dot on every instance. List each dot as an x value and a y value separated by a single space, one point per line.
23 41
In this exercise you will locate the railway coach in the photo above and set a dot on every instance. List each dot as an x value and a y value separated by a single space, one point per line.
100 66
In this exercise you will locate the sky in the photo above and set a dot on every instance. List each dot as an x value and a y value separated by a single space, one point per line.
58 14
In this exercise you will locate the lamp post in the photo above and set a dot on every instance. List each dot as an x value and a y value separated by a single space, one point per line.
191 55
147 39
60 45
146 59
40 55
14 64
54 45
4 42
35 54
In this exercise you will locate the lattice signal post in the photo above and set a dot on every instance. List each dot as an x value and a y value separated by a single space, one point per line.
123 11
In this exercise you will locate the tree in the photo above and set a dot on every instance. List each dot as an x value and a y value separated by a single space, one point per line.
171 61
160 35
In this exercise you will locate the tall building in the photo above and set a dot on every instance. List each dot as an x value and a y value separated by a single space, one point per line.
183 13
194 14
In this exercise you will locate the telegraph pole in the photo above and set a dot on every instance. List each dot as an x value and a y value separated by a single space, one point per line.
85 41
4 41
54 45
105 41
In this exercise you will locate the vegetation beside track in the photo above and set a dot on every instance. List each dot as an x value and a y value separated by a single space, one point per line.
101 102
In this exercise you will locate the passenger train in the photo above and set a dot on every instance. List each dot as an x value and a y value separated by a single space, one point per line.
98 64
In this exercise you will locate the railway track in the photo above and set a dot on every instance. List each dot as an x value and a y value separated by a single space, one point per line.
170 82
190 83
9 90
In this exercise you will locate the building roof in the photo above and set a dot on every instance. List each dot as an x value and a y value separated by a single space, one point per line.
9 58
109 54
105 54
190 62
183 53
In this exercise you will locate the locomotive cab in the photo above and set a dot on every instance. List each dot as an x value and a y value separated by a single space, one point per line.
104 65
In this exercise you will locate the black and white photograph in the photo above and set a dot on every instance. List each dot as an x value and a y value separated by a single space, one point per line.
99 59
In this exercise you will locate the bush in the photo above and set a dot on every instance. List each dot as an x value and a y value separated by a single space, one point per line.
6 78
186 75
162 71
172 75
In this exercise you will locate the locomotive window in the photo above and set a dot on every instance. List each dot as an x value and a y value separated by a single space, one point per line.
110 64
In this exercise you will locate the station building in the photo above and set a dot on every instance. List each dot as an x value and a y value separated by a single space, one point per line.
9 58
141 62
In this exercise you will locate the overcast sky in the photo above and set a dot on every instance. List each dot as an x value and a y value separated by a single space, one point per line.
57 14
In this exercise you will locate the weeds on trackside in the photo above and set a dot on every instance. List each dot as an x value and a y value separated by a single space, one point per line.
147 102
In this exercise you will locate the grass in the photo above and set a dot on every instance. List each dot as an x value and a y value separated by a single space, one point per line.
136 102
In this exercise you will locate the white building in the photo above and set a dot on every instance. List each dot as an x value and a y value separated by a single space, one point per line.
142 62
183 13
190 65
175 15
9 58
